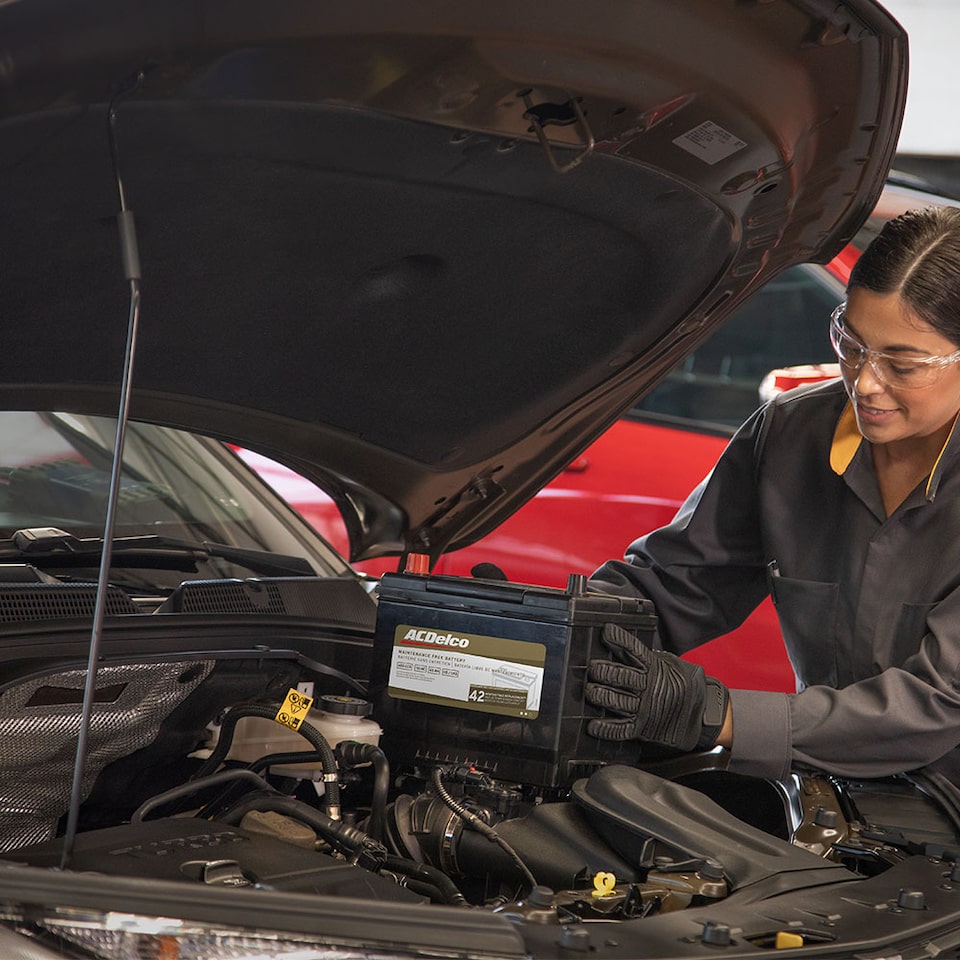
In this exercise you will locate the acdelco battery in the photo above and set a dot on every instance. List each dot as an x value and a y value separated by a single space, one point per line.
491 674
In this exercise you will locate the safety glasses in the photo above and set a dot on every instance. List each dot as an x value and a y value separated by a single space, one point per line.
899 372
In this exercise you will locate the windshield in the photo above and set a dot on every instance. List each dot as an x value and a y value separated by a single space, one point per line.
55 472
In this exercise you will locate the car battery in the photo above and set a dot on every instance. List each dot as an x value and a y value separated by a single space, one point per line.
491 674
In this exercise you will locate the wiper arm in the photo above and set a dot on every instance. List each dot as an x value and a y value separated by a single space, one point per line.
50 543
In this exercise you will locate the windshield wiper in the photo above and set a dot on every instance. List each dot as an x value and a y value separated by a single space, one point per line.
40 544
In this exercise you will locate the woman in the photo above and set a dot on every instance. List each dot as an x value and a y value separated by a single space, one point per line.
843 502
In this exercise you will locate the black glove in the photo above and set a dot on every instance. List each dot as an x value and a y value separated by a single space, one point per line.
658 697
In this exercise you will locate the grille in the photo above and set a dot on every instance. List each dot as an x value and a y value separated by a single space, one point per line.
42 601
329 600
231 596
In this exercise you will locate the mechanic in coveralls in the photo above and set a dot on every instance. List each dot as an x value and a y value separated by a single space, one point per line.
842 501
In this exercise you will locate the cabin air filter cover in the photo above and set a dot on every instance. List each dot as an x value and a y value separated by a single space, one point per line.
491 674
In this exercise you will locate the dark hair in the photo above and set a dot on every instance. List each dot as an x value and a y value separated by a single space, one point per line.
917 255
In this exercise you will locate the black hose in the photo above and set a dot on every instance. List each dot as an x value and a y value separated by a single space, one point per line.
194 786
424 873
475 823
331 798
352 752
349 753
348 840
285 759
427 890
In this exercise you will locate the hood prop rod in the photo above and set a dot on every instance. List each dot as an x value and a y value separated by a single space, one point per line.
131 268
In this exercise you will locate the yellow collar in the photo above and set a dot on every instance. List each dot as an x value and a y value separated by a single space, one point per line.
846 441
936 462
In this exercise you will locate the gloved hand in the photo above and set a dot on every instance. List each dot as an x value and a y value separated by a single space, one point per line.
656 696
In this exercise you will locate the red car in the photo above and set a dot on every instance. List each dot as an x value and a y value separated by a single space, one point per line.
635 476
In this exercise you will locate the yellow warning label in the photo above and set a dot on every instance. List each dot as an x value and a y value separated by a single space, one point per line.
294 709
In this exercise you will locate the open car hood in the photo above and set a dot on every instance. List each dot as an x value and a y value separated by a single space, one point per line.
422 252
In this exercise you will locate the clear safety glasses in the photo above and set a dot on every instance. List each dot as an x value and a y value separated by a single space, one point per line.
899 372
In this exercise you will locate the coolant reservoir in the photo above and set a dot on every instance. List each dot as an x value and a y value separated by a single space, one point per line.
345 718
337 718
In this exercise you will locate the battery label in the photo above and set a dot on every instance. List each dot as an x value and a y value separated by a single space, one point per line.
467 670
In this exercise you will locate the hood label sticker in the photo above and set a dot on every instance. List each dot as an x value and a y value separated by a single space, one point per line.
467 670
710 142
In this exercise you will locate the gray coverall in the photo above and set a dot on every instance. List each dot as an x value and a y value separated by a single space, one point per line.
869 606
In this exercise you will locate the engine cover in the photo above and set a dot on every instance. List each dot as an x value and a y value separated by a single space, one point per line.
214 854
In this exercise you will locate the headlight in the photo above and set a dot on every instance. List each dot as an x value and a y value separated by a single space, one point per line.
125 936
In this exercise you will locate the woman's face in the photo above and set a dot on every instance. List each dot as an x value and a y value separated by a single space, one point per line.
885 414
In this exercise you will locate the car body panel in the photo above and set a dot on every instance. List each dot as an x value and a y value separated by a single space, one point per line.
745 179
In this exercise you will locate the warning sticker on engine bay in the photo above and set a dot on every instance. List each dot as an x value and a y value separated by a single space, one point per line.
466 670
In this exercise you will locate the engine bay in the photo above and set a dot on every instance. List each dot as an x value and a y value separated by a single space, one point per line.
285 746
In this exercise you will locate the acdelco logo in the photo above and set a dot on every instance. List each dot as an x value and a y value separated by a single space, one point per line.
435 639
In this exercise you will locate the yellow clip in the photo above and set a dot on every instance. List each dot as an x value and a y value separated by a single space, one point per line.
294 709
786 940
604 884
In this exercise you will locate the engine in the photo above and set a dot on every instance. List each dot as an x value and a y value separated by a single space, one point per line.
459 778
